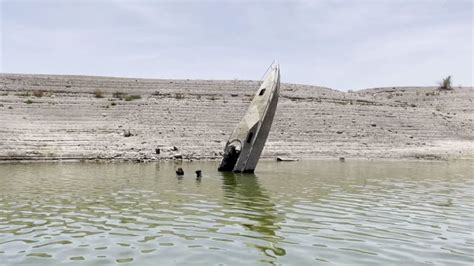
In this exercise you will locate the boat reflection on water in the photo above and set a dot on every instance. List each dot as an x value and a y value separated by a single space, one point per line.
247 200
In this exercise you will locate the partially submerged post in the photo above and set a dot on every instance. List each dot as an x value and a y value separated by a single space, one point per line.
243 149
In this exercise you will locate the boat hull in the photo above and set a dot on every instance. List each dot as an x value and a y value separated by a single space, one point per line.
246 143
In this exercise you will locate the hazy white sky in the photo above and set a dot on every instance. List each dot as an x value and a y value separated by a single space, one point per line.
338 44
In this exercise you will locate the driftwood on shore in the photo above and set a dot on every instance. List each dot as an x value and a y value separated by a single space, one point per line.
84 118
286 159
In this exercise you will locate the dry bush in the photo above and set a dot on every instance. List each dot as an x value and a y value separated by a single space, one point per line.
132 97
445 84
38 93
119 95
98 93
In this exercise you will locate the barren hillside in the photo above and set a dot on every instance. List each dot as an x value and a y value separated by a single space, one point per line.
79 117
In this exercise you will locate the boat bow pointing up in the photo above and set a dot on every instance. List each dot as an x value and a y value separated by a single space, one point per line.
245 145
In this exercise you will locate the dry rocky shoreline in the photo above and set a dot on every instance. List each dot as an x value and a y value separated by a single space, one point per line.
52 117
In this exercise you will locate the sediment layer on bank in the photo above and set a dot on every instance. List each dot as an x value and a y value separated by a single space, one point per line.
48 117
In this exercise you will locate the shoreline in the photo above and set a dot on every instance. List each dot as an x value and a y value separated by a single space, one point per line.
63 118
335 160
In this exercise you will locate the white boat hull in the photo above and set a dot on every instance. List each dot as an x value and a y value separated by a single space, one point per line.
246 143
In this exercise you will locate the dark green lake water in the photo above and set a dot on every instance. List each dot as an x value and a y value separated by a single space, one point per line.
298 213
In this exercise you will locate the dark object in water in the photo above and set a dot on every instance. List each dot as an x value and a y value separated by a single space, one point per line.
342 159
198 173
180 171
284 159
157 151
243 149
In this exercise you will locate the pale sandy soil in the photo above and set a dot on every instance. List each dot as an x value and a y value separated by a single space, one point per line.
194 118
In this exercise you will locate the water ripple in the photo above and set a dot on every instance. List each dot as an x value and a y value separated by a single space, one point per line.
363 213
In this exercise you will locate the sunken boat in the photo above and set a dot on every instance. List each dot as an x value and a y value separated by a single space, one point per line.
244 147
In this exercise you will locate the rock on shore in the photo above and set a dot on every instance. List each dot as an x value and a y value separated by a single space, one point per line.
47 117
